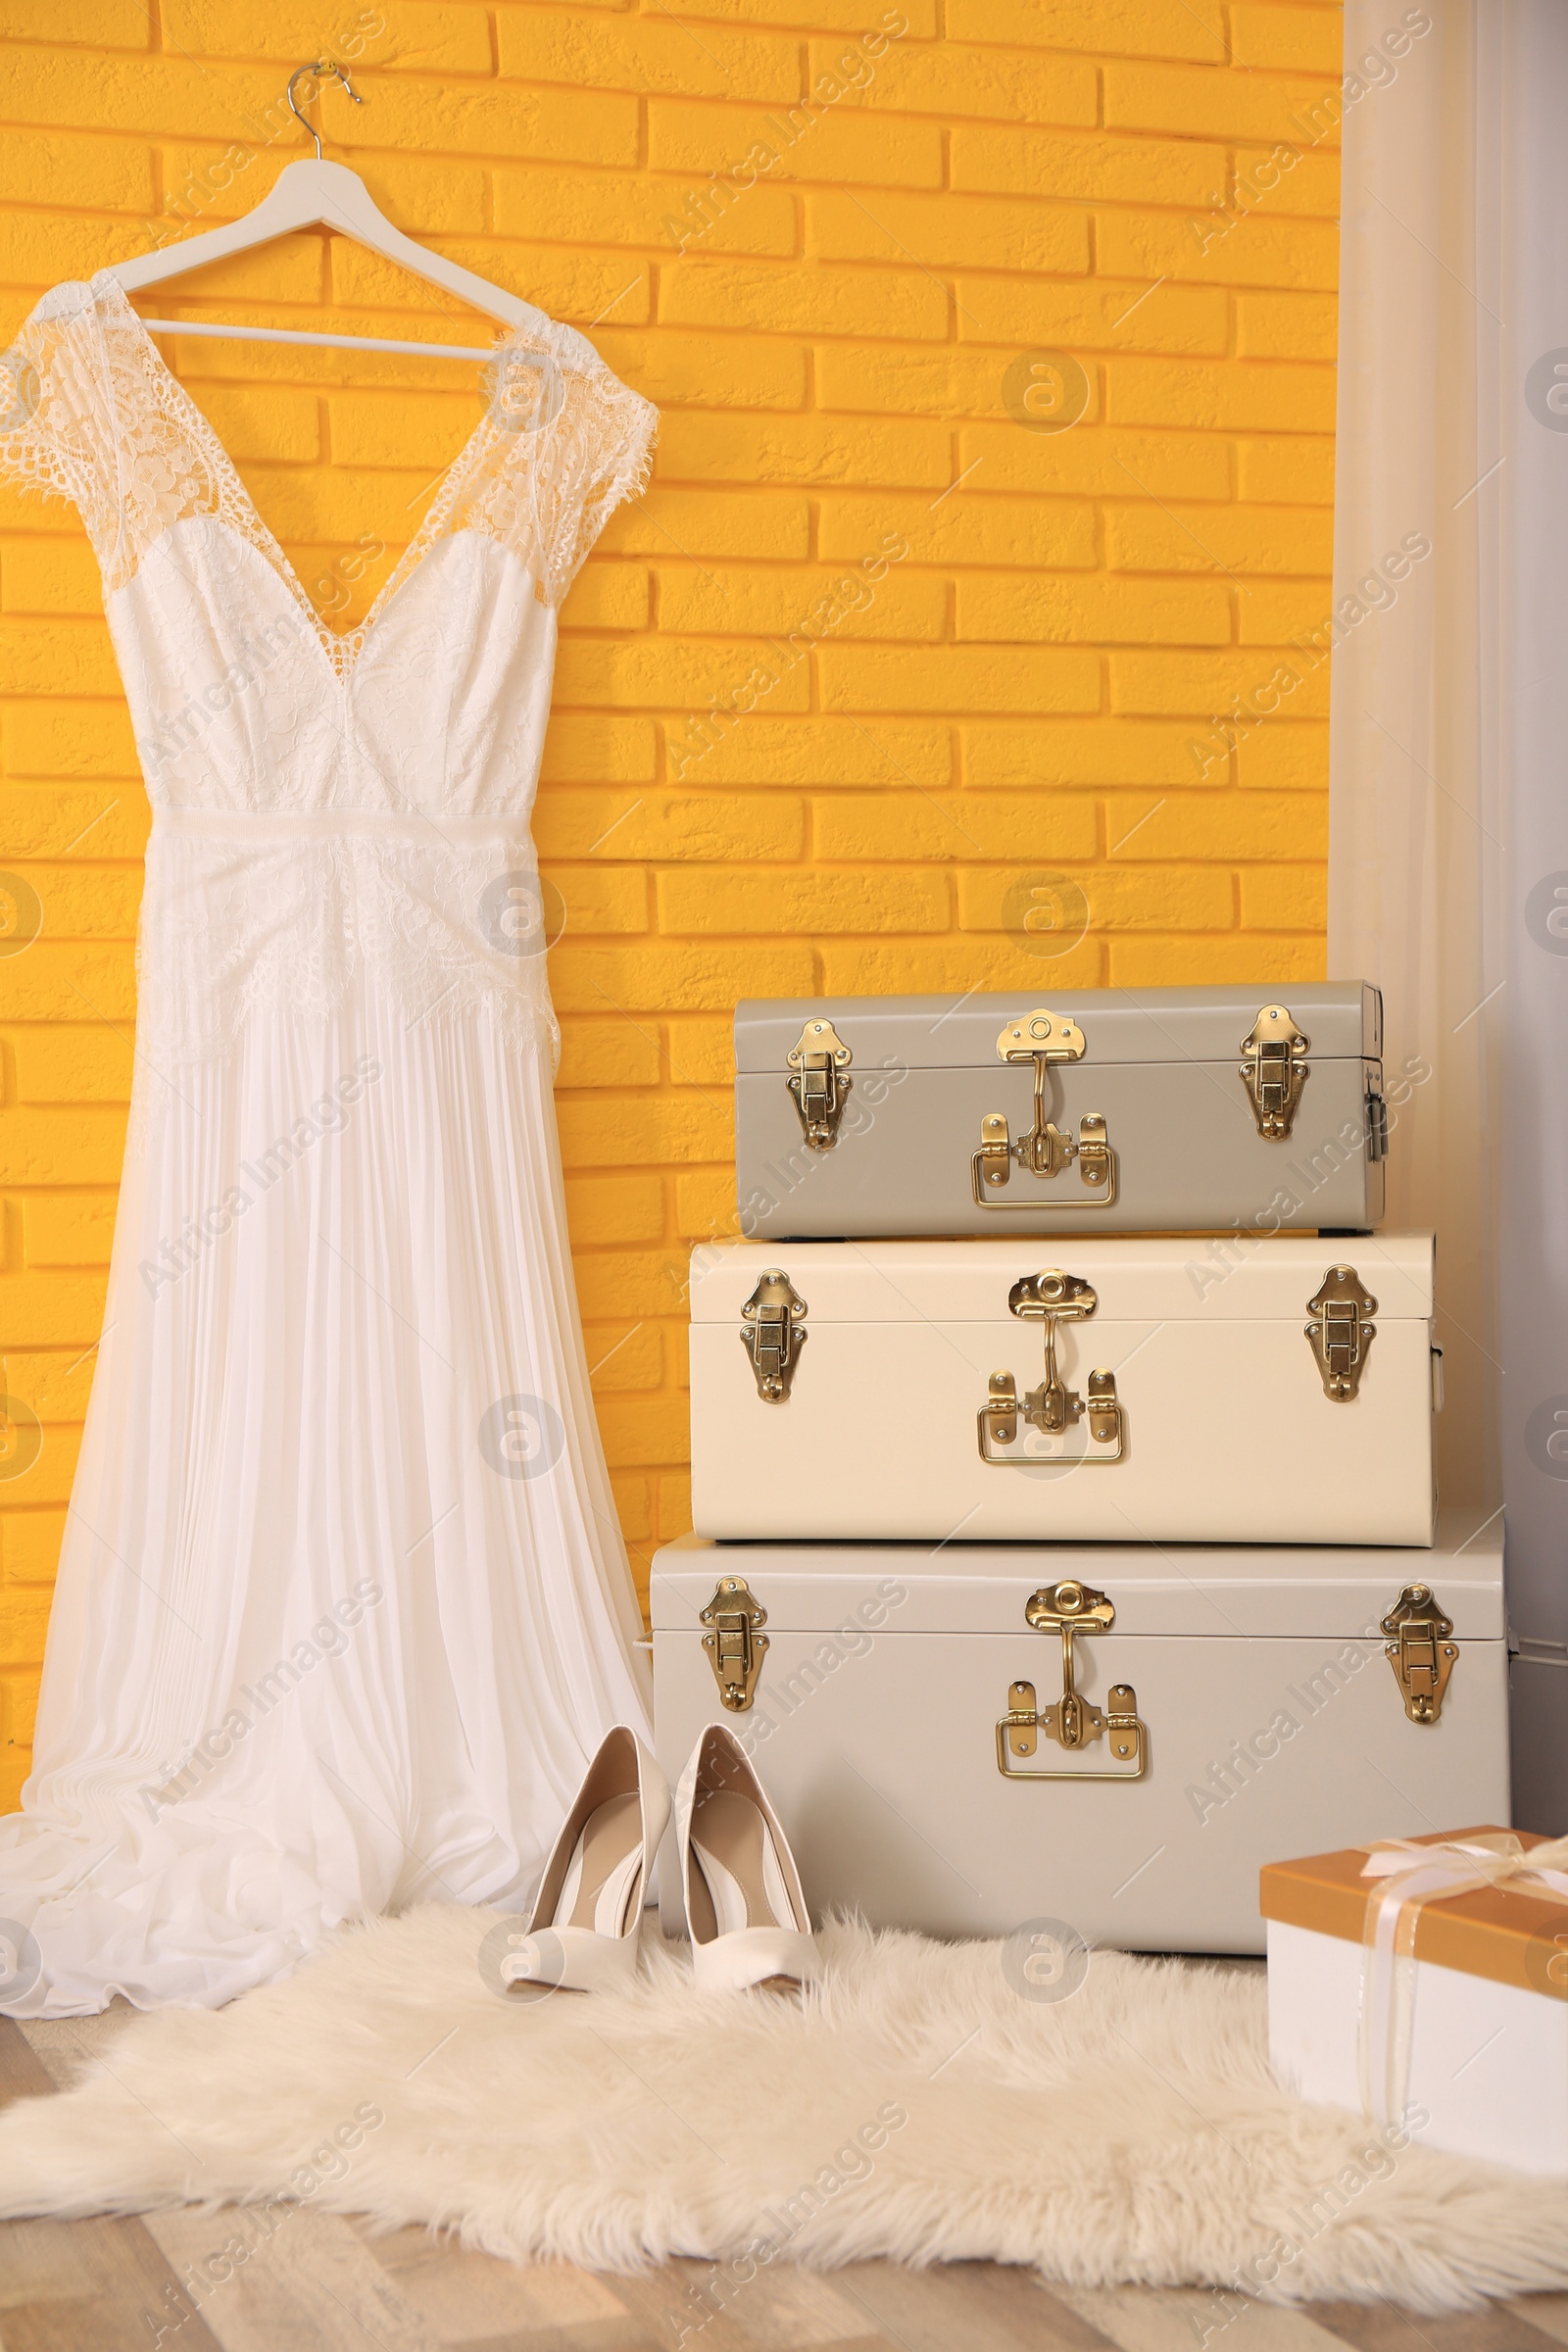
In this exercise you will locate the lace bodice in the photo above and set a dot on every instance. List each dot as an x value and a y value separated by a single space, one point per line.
329 810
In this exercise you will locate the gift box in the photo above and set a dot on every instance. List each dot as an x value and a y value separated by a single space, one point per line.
1425 1981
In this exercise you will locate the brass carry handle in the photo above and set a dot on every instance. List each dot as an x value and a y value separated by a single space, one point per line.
1045 1151
1070 1608
1052 1297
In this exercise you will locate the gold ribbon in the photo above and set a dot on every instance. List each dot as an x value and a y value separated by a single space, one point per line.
1408 1876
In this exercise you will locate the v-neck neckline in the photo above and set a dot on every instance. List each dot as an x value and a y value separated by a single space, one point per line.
341 648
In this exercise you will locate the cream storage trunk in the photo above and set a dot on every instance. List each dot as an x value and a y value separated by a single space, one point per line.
1177 1391
1209 1707
1174 1110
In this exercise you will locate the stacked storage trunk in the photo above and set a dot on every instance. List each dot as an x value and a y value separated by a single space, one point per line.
1198 1466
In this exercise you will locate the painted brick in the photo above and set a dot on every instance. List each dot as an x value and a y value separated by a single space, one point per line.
955 79
616 1209
1092 464
1032 688
1125 899
896 827
698 826
611 1052
1239 539
1277 326
644 53
828 751
1285 898
1155 684
1243 106
1004 609
1085 316
706 372
976 233
958 679
29 1545
49 576
1264 960
799 450
947 967
598 749
1098 170
1289 179
769 526
1109 28
1307 41
1260 250
1107 751
1219 395
962 527
821 144
608 596
68 1229
1223 826
74 1064
807 300
744 901
618 209
901 604
55 1383
654 1130
701 1053
74 739
1298 466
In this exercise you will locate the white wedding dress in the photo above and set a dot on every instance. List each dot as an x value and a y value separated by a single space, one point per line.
343 1609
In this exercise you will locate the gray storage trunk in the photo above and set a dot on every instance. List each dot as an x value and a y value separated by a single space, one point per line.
1172 1110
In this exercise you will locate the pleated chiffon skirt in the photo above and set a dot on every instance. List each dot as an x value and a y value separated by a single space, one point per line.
343 1606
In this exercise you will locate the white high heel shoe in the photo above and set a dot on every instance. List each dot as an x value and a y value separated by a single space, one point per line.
743 1905
587 1915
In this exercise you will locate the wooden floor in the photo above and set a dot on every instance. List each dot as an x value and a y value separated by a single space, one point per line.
321 2285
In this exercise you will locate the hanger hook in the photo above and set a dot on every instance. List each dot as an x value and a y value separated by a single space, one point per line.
324 68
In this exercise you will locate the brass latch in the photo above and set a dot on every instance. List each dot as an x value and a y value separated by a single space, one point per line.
1071 1608
772 1333
737 1643
1339 1331
1419 1650
1274 1071
819 1060
1052 1297
1043 1038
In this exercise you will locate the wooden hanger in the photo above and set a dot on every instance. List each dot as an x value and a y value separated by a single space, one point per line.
318 195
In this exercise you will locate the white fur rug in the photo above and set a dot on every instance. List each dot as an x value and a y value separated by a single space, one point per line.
922 2106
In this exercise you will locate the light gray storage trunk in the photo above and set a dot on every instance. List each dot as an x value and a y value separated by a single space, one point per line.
1235 1704
1173 1110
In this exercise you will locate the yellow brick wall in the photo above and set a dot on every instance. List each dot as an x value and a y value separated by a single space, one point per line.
1032 731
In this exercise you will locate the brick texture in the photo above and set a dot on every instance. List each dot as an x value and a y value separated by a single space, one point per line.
995 345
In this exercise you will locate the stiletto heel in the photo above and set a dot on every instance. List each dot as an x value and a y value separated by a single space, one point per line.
587 1915
743 1903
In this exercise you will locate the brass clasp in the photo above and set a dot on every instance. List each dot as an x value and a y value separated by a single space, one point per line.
736 1644
772 1333
818 1060
1274 1069
1341 1332
1052 1297
1070 1608
1043 1038
1419 1650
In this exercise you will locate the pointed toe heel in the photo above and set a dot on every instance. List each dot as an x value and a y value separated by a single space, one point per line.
743 1903
587 1916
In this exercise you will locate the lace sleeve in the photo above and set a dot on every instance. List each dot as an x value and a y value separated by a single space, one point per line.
568 442
47 410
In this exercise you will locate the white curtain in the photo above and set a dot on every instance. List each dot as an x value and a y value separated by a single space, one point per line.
1448 831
